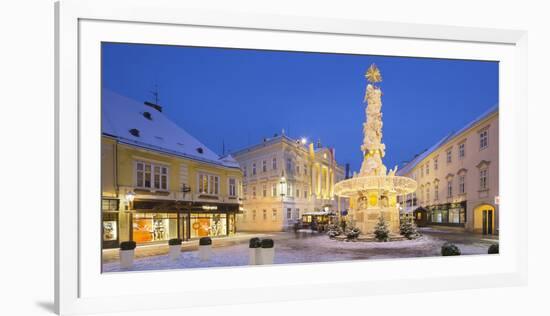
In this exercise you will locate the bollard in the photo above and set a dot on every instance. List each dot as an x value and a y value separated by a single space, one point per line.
254 247
267 252
205 248
127 254
175 248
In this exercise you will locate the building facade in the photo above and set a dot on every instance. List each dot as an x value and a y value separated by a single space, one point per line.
458 179
286 180
159 182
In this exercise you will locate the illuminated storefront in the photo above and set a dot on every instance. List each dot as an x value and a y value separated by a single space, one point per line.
110 223
155 221
449 214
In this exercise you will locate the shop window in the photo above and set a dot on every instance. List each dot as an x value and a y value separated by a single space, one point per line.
213 225
149 227
209 184
110 226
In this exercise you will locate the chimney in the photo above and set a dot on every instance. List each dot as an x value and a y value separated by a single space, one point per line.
153 105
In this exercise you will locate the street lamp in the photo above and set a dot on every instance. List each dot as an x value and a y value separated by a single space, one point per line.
130 195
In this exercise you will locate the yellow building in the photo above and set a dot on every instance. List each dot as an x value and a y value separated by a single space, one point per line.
159 182
286 180
458 179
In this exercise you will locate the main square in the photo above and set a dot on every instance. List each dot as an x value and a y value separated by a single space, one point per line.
215 157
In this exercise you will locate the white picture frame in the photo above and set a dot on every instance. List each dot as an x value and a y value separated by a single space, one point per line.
81 25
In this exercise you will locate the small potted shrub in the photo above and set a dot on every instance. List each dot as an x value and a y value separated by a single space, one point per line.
381 231
353 233
450 249
493 249
127 254
175 248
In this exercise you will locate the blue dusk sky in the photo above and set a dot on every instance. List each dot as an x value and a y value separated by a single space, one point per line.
238 97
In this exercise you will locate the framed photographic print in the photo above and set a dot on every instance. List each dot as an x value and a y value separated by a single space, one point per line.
209 157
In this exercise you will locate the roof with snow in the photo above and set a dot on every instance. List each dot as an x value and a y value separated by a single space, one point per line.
445 140
135 123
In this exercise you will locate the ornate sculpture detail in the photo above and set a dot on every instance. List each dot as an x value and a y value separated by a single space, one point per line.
373 148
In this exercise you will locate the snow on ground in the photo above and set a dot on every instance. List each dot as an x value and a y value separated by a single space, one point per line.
313 247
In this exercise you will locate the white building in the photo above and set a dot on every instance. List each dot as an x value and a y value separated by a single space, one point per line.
285 179
458 180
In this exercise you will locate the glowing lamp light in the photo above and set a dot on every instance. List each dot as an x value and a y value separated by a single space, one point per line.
303 140
130 196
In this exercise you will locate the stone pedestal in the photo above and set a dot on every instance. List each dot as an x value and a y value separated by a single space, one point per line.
366 219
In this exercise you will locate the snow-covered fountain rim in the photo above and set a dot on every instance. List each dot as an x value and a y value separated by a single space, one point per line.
399 185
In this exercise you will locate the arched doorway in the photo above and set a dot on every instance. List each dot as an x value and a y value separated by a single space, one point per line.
484 219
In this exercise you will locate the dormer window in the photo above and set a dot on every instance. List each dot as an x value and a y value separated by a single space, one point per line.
134 132
200 150
148 116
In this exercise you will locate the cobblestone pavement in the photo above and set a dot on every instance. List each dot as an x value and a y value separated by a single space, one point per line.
301 247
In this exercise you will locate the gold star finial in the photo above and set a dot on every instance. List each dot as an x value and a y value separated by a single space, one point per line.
373 74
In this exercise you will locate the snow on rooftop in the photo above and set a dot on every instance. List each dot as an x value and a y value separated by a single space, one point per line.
135 123
409 166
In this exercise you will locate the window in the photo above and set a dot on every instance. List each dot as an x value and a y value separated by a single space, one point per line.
435 164
289 164
305 170
254 169
449 155
421 171
428 168
273 190
483 139
254 215
264 190
289 189
289 213
264 166
427 194
264 212
245 190
151 176
297 193
296 213
232 187
436 191
483 179
274 163
305 193
449 188
274 214
245 171
461 151
209 184
253 191
244 215
461 184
